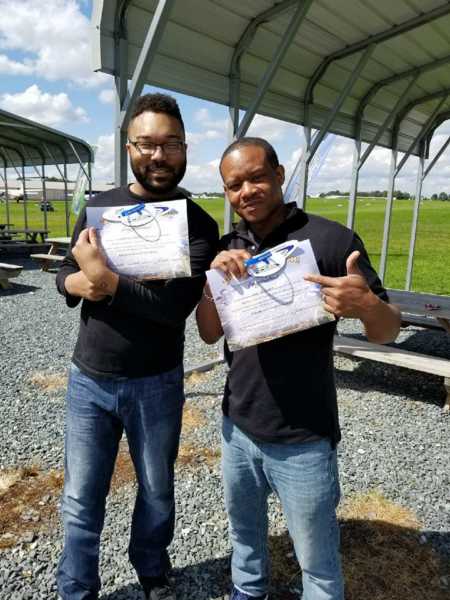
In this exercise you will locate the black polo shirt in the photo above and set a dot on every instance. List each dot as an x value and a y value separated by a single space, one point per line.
283 391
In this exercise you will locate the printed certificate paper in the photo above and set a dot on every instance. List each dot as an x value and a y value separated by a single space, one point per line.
146 241
274 300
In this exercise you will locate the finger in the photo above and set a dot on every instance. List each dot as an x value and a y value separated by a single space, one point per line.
93 236
83 237
352 263
323 280
235 268
329 308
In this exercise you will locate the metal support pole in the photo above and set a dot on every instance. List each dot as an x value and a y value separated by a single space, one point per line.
412 241
388 214
146 56
233 122
120 134
283 46
5 172
437 157
66 199
89 166
358 160
25 197
341 98
304 170
44 197
423 132
351 210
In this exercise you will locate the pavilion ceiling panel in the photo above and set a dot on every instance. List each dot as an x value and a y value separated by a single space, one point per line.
197 47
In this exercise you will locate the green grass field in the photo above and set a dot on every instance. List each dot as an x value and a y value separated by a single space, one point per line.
432 257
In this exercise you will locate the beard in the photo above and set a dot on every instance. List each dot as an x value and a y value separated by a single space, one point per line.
158 178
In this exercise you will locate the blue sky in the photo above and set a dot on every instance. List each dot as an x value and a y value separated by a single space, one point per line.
45 75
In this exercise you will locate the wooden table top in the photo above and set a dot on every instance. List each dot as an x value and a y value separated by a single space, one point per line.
422 305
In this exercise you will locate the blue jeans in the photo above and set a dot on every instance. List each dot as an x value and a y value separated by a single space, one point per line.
98 410
305 478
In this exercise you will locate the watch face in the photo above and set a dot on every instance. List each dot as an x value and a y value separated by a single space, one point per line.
272 261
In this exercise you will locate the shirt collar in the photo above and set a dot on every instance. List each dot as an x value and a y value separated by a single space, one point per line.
293 213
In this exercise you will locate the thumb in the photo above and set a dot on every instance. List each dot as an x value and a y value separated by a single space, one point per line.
84 236
352 264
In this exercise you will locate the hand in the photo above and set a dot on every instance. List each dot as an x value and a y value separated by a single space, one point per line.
92 262
348 296
77 284
89 256
231 262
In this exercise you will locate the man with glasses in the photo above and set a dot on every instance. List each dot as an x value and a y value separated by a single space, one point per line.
127 372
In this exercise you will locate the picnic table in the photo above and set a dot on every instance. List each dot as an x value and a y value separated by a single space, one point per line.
31 235
53 256
430 311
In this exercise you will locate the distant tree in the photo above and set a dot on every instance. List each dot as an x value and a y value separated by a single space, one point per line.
443 196
434 197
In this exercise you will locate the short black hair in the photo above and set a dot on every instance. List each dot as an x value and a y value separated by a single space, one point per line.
157 103
271 155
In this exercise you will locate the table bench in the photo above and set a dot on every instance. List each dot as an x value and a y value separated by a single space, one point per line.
395 356
7 272
52 257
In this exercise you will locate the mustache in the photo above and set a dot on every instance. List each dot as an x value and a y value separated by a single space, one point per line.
159 167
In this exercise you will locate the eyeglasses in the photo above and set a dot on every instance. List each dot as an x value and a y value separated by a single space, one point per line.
149 148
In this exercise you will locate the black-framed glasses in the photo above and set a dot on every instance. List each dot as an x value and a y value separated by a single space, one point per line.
149 148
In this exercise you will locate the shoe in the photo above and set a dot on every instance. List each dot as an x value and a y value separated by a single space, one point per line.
238 595
157 588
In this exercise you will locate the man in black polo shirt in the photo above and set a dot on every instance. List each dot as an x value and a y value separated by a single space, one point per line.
127 371
280 427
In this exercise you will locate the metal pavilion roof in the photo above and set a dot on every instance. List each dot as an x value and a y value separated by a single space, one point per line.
24 143
394 58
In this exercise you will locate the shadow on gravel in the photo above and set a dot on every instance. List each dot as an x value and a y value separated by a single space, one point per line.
18 288
390 379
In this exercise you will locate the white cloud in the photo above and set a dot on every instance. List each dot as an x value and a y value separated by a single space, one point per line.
194 138
42 107
204 118
272 130
106 96
54 37
104 158
12 67
203 177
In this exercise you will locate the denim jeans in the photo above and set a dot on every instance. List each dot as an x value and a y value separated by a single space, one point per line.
305 478
98 410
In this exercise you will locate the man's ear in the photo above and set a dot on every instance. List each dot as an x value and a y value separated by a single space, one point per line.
280 174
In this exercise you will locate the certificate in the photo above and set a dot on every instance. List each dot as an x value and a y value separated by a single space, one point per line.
147 241
274 300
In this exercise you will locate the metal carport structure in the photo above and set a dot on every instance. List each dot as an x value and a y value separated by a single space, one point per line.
27 144
375 71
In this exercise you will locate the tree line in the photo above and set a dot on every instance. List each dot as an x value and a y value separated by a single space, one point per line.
398 194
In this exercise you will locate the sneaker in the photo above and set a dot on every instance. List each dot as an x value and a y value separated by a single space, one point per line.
157 588
238 595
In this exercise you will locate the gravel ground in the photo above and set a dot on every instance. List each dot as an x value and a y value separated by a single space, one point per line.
395 440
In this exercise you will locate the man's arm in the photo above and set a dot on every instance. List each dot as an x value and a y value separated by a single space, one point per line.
230 262
350 296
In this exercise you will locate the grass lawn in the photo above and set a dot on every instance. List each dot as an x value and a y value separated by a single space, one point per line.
432 255
431 266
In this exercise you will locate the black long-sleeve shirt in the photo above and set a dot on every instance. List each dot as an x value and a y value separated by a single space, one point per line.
140 331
